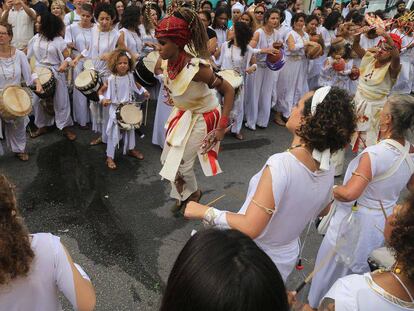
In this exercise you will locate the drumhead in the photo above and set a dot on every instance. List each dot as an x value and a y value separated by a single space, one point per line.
151 60
232 77
85 78
44 74
17 101
88 64
130 114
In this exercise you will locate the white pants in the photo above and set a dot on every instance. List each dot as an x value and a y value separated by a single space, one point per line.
61 106
80 102
128 138
15 132
258 109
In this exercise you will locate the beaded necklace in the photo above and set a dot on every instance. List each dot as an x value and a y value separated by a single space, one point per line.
45 57
116 88
14 68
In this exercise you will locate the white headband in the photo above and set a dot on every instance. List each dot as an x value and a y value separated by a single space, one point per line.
238 6
323 157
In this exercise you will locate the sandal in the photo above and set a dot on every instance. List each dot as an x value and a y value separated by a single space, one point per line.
38 132
110 164
279 119
136 154
96 141
23 156
69 135
239 136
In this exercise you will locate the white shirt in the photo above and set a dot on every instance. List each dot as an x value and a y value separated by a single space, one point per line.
360 293
231 58
46 52
13 68
67 19
80 37
23 27
50 271
132 41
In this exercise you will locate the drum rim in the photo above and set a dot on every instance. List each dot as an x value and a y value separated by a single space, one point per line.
12 112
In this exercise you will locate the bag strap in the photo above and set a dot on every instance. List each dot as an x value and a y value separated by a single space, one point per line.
72 17
404 157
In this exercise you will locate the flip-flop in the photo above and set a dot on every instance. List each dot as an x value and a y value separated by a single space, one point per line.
22 156
37 133
136 154
96 142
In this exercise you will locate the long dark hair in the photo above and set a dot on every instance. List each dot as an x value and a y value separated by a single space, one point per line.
243 35
221 270
131 17
15 249
51 26
331 20
219 11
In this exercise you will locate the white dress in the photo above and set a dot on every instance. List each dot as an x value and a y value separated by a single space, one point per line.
404 81
81 39
50 272
360 293
259 85
102 42
121 89
162 112
221 35
280 238
382 156
293 77
133 41
330 77
49 54
12 70
231 58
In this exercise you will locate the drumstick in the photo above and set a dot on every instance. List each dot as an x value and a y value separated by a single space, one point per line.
146 112
315 270
383 210
215 200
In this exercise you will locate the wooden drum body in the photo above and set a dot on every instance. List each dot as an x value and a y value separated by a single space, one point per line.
144 70
129 116
88 82
48 82
15 102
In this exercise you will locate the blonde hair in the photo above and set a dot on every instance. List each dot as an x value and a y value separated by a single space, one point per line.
62 6
114 57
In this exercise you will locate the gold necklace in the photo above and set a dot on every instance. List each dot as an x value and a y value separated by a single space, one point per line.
303 147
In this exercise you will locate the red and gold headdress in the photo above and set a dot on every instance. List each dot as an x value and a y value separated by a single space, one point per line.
175 29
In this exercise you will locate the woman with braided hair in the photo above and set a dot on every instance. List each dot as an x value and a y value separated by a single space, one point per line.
189 81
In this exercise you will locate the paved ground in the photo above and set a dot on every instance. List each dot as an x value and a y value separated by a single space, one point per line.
117 224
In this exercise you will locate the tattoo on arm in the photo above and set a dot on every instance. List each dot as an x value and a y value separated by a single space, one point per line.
327 304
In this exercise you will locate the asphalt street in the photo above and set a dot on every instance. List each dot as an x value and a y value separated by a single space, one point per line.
117 224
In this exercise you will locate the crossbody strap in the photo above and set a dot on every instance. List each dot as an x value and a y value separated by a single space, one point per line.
404 157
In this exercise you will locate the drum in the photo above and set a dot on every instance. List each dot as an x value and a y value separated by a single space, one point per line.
88 82
15 102
144 69
129 116
233 77
381 258
47 80
313 50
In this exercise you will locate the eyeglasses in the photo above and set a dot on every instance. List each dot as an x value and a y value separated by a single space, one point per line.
259 12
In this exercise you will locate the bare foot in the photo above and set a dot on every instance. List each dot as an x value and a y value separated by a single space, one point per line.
69 134
38 132
96 141
23 156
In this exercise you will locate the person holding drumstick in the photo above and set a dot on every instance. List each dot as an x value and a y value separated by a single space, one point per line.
190 82
49 50
78 38
14 65
122 89
274 215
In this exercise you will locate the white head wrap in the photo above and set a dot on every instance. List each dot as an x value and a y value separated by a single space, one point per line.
323 157
237 6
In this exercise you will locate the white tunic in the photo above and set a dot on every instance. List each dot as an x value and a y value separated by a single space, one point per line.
50 271
231 58
79 36
382 156
11 71
331 77
290 177
133 41
360 293
404 81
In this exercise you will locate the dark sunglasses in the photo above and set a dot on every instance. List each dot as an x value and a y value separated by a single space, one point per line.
259 12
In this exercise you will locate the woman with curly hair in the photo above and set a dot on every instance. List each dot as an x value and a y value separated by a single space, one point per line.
391 289
274 215
50 50
374 178
33 267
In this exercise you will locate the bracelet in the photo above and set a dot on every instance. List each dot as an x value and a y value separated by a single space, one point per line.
267 210
362 176
101 98
209 216
215 218
68 59
224 121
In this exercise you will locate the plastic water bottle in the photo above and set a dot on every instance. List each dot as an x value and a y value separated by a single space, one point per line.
348 236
